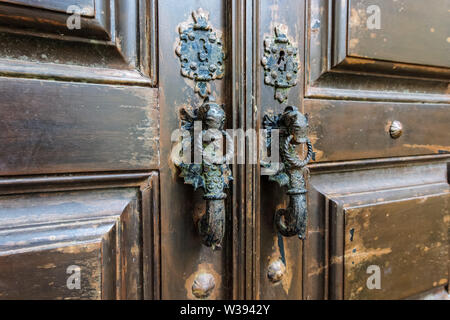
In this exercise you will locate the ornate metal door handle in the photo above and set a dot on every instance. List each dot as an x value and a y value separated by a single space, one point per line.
293 126
212 174
201 55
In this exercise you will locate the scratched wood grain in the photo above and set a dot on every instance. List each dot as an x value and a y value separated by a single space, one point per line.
51 127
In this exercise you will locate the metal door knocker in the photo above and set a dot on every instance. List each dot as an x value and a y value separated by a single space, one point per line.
293 126
213 173
281 65
201 56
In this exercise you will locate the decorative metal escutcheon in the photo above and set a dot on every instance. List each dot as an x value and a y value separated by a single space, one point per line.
280 63
293 130
201 52
212 174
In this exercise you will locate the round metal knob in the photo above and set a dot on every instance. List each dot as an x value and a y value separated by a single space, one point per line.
276 271
396 129
203 285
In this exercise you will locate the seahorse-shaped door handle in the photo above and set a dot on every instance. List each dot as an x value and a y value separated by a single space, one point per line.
293 126
213 173
201 53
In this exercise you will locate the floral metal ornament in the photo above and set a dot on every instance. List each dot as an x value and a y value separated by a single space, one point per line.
280 63
213 173
293 126
201 52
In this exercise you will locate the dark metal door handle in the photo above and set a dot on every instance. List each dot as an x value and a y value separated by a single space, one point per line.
212 174
292 126
202 56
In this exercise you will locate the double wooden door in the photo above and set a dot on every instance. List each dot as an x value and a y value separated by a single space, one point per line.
91 202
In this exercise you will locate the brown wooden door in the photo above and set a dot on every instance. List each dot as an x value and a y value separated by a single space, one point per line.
91 202
379 194
374 82
79 214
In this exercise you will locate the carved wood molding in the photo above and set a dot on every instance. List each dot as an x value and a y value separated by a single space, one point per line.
367 129
360 78
75 130
108 224
109 48
348 212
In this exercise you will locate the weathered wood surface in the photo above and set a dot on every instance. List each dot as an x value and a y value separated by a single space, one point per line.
84 151
43 234
399 216
182 253
273 248
334 72
413 31
52 127
407 240
88 6
342 130
106 47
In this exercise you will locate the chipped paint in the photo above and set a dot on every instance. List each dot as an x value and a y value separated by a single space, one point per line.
432 147
353 43
361 254
281 252
47 266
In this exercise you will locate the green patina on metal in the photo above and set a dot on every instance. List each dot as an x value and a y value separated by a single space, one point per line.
213 174
201 52
293 126
280 63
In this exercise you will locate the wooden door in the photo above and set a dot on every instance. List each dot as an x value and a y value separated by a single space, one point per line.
374 79
92 205
376 90
79 122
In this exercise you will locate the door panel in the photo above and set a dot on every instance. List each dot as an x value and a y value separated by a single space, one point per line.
117 45
44 274
333 73
58 127
58 5
183 255
423 42
44 235
93 223
407 238
392 218
341 130
278 253
358 82
79 130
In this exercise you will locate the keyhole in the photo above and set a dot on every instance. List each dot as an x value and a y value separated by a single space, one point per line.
203 41
203 54
281 57
281 60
